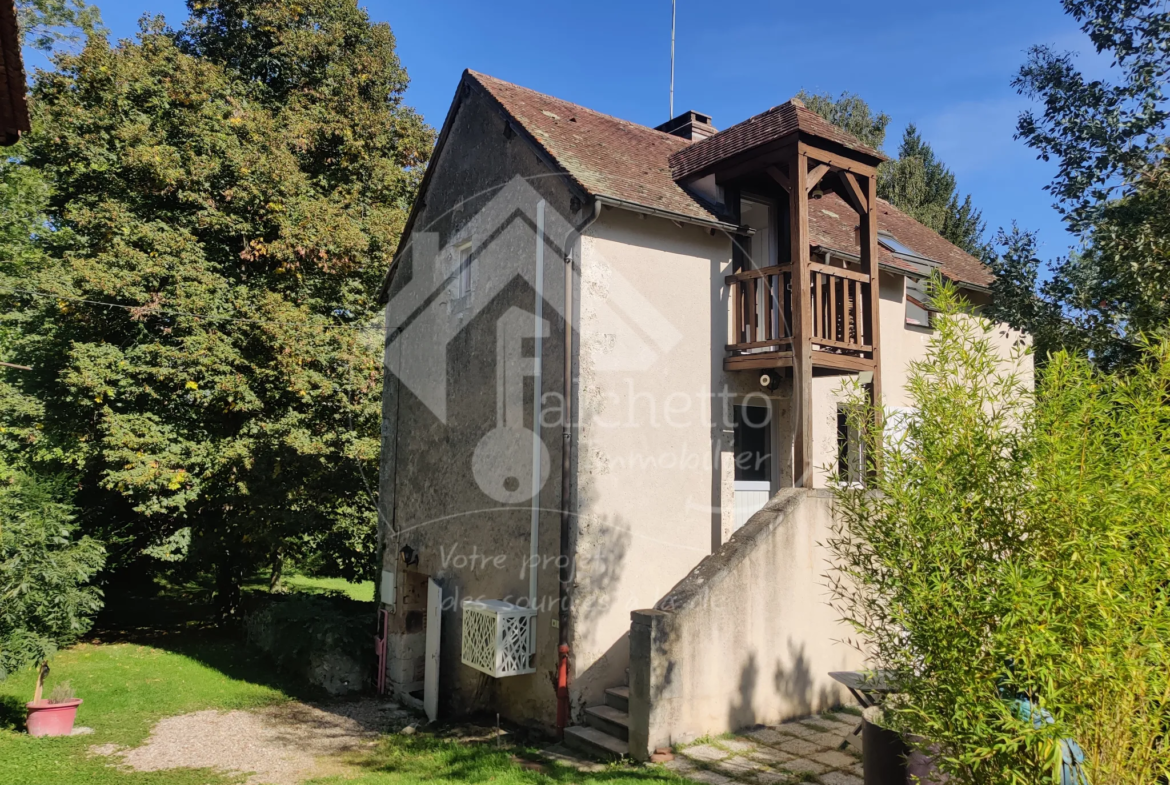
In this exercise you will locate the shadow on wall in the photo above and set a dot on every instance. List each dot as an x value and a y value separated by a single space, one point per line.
606 543
794 684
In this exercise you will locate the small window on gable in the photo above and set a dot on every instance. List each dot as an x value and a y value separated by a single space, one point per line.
461 293
917 312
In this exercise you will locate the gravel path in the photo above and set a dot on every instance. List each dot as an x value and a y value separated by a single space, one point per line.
280 745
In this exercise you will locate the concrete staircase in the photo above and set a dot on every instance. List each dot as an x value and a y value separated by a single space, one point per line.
607 734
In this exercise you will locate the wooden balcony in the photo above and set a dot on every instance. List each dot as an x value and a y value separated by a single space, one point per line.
761 324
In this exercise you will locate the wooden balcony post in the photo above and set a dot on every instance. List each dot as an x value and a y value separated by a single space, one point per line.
802 460
869 265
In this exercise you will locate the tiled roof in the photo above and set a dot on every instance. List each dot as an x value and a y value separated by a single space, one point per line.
605 155
776 123
610 157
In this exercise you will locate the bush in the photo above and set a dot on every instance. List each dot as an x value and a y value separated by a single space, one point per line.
325 639
1008 561
45 599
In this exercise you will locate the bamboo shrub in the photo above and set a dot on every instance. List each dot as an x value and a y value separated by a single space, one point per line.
1007 562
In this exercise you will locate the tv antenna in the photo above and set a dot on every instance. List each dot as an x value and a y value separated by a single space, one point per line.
673 4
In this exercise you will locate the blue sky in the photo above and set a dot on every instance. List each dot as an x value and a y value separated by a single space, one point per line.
945 66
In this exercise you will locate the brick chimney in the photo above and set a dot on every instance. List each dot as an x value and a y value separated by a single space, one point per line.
689 125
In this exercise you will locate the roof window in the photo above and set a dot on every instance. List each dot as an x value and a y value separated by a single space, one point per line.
892 244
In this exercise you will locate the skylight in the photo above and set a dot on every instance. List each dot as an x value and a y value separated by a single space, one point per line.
889 242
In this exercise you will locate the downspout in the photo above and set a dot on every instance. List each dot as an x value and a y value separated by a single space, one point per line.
537 385
566 567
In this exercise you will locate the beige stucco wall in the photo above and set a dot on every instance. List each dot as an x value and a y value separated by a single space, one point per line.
653 463
746 638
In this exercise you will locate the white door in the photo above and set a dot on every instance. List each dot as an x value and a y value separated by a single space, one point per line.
753 461
431 667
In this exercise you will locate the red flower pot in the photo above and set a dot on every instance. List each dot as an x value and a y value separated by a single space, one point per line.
52 719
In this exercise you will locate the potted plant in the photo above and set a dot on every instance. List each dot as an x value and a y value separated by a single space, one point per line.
52 716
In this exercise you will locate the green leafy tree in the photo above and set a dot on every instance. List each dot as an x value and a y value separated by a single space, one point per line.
46 23
850 112
916 182
45 598
224 201
1109 139
1006 564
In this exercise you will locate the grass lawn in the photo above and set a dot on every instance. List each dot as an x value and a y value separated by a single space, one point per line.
362 592
128 686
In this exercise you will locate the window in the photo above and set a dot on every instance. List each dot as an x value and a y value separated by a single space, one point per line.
850 452
892 244
917 313
461 292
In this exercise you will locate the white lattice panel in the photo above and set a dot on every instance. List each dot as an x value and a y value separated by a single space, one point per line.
497 637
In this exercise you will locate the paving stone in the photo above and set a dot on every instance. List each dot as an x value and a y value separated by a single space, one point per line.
771 756
796 729
680 766
800 747
709 777
841 723
705 752
834 759
804 764
738 767
840 778
768 736
773 777
815 724
858 769
736 745
829 740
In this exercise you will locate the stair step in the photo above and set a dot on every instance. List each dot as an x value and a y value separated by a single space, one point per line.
610 720
596 743
618 697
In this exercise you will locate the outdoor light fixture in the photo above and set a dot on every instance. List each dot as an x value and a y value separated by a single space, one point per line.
409 555
817 193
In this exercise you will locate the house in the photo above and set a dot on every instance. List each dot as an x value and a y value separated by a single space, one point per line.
613 400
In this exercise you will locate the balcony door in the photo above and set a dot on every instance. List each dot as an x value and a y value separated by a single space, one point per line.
753 461
759 250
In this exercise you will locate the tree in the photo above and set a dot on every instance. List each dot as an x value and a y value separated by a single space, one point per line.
1109 139
45 602
225 199
1006 563
45 23
920 185
916 182
850 112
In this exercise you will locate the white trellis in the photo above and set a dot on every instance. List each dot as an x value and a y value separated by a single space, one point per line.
497 637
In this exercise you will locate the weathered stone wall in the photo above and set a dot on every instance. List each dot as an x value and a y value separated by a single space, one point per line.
747 637
483 190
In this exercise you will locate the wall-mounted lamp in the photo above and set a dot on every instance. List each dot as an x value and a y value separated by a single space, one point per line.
865 377
409 556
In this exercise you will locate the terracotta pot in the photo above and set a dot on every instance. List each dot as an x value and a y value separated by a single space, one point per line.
52 719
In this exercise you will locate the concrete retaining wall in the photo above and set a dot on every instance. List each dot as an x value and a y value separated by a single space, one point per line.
747 637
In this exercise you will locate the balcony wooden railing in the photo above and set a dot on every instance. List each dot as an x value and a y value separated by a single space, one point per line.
761 304
762 329
839 298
